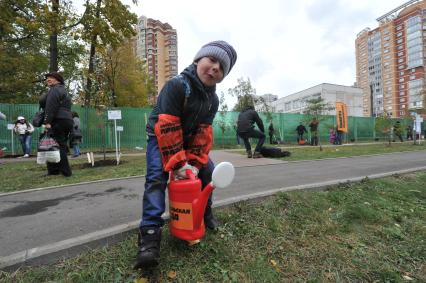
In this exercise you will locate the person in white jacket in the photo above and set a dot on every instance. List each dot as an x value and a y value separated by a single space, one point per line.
24 130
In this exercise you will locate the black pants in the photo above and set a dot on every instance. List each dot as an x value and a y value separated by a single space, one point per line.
253 133
60 131
299 137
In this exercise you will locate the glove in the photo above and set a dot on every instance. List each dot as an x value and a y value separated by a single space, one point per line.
181 172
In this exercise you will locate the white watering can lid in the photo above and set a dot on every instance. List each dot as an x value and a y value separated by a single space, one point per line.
223 174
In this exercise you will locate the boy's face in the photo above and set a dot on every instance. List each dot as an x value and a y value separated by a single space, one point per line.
209 71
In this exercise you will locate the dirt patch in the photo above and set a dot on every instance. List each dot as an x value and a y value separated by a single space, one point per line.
100 163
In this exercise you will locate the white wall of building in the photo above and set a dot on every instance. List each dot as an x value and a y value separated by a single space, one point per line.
331 93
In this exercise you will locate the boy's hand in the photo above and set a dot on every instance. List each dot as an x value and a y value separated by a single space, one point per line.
181 172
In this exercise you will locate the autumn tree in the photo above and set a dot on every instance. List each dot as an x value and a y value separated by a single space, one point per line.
106 25
245 94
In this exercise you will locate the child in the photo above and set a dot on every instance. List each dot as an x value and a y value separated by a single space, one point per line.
179 138
332 136
24 129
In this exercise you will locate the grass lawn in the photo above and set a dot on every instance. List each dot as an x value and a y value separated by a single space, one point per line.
307 152
28 175
371 231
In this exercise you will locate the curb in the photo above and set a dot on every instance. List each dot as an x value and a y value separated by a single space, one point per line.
71 247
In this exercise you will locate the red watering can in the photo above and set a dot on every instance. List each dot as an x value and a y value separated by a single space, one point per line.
187 202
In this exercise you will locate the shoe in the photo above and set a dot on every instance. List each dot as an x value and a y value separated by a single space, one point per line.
26 155
209 220
149 247
257 155
249 155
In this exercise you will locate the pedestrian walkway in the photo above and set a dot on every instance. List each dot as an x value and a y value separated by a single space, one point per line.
42 226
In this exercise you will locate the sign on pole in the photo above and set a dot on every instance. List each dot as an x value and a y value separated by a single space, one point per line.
115 115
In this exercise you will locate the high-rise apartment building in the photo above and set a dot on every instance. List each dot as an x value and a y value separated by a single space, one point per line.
390 65
156 45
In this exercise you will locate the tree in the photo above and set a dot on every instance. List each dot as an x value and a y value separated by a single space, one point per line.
384 125
316 108
122 78
244 93
30 43
106 24
221 122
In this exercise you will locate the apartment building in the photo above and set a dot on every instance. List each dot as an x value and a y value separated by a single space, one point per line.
156 45
390 61
330 93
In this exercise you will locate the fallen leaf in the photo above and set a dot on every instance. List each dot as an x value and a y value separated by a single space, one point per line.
141 280
330 209
273 262
171 274
397 225
222 236
367 203
408 278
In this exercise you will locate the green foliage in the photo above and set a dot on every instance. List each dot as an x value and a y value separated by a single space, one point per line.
222 122
317 107
384 124
244 93
123 77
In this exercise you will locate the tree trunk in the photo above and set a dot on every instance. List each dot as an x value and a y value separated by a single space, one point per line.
53 49
92 58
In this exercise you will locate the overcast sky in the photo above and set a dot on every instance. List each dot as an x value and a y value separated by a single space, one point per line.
283 46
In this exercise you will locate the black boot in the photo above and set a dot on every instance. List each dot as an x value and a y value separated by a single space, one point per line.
149 247
249 155
209 220
257 155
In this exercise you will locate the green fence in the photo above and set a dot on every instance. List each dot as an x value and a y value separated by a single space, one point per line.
98 131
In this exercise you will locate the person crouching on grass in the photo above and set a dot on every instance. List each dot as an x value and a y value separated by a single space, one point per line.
180 137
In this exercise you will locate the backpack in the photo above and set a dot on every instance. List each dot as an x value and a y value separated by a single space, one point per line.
273 152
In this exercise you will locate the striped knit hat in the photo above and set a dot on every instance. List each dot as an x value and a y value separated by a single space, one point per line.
220 50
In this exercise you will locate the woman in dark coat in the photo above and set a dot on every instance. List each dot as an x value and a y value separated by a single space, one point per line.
57 120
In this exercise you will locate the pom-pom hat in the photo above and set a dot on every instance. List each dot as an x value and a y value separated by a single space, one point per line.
222 51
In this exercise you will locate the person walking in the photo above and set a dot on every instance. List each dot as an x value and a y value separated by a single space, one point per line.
313 126
409 132
300 131
397 130
271 132
246 130
24 130
75 135
58 121
180 137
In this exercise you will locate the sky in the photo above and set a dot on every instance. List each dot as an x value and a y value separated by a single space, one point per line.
283 46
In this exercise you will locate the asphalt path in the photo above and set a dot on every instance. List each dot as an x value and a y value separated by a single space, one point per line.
48 223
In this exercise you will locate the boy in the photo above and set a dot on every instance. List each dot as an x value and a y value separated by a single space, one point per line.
179 138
